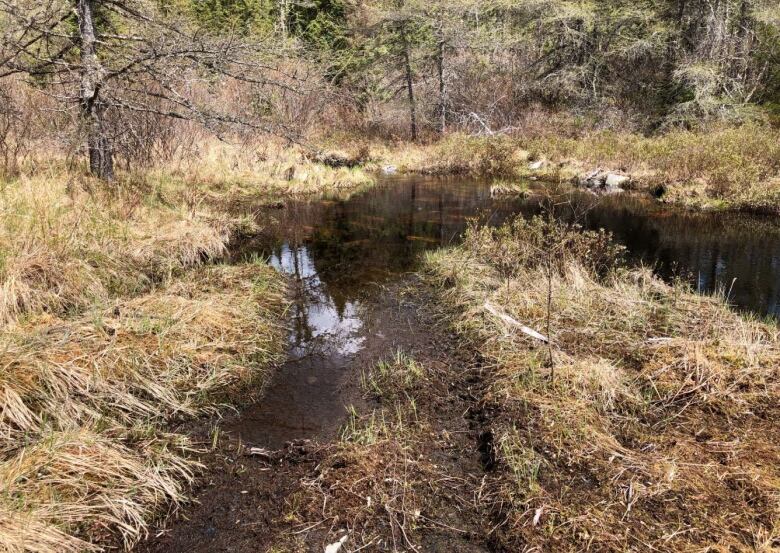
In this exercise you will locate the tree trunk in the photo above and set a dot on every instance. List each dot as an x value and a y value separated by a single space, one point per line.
410 89
442 87
744 35
101 158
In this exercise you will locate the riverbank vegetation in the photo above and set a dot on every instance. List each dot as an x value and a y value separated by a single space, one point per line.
647 418
129 130
115 322
715 167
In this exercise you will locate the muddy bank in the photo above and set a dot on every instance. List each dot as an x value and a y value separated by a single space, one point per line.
246 502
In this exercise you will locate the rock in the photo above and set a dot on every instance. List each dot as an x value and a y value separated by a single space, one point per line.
604 182
338 159
609 190
616 180
389 169
593 179
537 165
659 190
335 547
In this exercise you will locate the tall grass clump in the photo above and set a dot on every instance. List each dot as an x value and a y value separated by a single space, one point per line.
645 423
457 154
64 246
260 172
113 324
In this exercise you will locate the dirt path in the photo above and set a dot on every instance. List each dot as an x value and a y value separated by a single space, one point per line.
264 503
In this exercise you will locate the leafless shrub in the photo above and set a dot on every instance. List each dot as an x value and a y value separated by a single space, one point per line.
15 130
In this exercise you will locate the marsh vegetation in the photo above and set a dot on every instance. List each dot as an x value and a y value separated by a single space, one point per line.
403 220
649 408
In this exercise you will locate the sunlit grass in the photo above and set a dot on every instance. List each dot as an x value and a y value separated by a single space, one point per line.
719 167
114 323
264 172
654 395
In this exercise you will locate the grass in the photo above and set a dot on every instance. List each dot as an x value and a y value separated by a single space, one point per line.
86 400
65 248
719 167
265 172
455 154
393 378
647 424
114 322
375 484
736 167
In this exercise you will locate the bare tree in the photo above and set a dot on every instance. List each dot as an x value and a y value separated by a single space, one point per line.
409 77
108 58
101 160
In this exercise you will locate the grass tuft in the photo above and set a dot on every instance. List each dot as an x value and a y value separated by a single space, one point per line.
85 401
649 427
114 322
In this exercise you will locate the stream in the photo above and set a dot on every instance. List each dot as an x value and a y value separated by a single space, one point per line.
338 252
350 263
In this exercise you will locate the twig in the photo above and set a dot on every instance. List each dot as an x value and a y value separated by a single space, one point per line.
515 323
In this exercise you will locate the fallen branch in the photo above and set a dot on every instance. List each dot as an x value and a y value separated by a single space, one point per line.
516 324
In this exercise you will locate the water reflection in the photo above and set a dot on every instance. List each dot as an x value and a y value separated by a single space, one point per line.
731 253
320 324
347 245
336 252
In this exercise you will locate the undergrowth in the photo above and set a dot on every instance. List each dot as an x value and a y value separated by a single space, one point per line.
647 423
723 166
114 322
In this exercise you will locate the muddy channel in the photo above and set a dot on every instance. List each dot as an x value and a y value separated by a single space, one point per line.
350 265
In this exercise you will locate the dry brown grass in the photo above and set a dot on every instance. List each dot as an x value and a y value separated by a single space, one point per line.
66 242
85 400
375 485
652 428
719 167
455 154
112 324
261 172
722 166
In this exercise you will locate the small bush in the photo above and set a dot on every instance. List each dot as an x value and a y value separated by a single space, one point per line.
527 244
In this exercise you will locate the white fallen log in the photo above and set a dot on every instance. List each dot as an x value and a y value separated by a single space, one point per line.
515 323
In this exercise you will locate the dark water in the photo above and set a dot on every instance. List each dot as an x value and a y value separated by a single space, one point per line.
345 245
338 252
